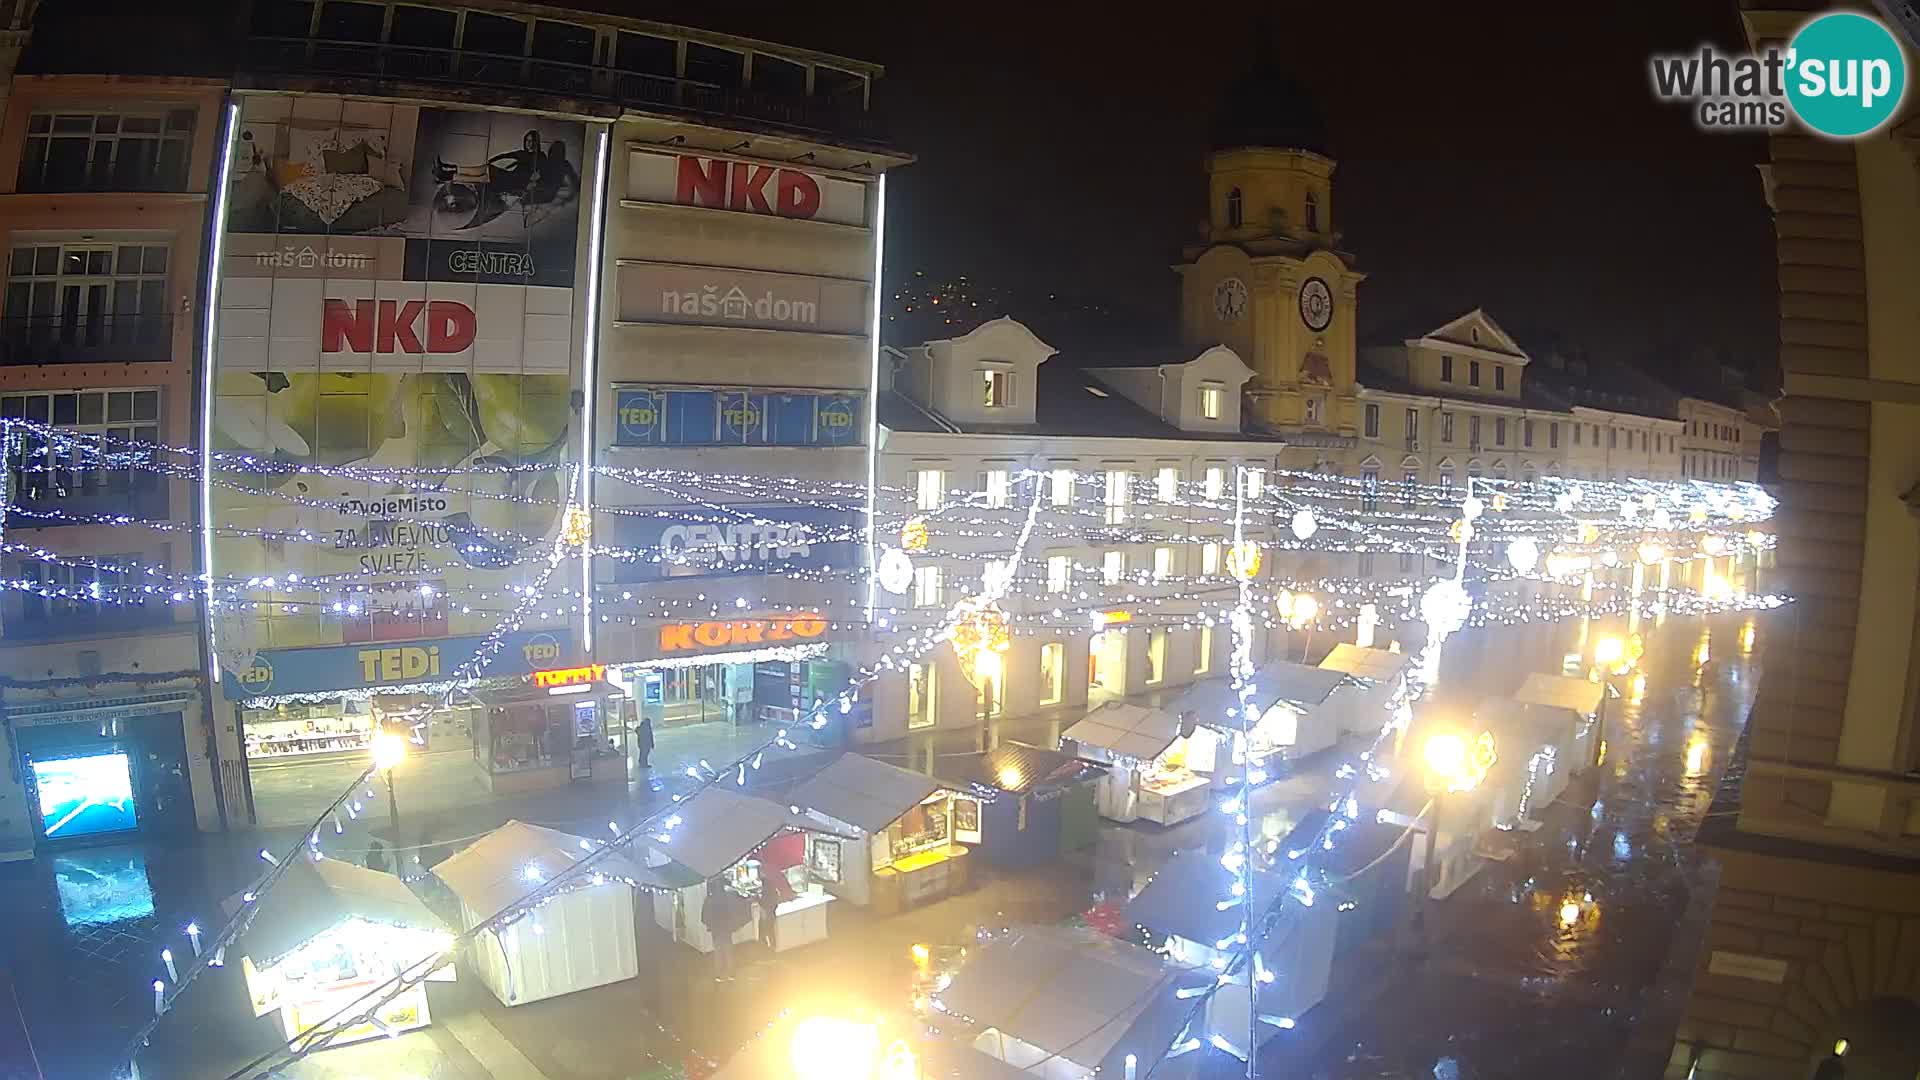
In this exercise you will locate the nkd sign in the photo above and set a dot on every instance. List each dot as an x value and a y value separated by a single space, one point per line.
749 187
389 326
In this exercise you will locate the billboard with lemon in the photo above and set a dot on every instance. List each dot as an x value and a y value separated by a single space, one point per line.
397 358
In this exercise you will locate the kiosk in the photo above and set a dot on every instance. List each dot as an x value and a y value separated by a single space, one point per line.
910 833
1042 802
1375 691
1537 759
1147 762
582 937
1574 703
550 729
751 847
333 932
1294 716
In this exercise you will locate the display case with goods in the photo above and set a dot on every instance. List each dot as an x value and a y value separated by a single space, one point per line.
529 735
912 832
1148 762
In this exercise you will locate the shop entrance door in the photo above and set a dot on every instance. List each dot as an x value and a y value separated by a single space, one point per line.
1106 667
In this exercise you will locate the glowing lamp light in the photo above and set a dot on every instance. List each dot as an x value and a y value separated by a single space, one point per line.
1662 519
576 527
1651 553
1446 755
1460 531
1569 914
914 535
829 1048
389 749
1444 607
895 572
1714 545
1500 502
1609 557
1472 507
1589 532
1630 510
1244 560
1840 1047
1523 554
1609 651
1303 524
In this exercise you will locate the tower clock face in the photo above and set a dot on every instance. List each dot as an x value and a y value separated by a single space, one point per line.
1230 298
1316 304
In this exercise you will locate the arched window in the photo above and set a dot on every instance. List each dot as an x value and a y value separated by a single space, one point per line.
1235 209
1313 211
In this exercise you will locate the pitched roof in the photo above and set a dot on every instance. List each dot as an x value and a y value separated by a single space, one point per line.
719 827
1019 768
1135 731
1183 897
1372 664
867 794
500 867
317 894
1561 692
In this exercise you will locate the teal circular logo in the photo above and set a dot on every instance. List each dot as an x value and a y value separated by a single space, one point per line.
1846 74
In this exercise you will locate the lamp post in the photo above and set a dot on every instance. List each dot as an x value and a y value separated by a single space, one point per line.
1454 763
1611 656
389 750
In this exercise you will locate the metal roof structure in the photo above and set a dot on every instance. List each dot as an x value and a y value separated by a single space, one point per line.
315 895
499 868
718 828
1376 665
1134 731
1182 899
867 794
1019 768
1561 692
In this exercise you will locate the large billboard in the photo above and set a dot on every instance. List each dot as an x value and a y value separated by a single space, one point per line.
397 294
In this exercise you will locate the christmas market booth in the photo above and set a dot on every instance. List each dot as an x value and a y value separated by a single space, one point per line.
1068 1004
1537 759
911 832
1038 803
1375 691
332 932
1151 773
1180 912
1294 717
551 728
760 855
581 937
1573 703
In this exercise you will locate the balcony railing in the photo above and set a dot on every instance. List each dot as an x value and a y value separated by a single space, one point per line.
51 499
318 56
86 339
86 621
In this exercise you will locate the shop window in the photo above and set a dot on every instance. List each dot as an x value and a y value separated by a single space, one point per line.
107 151
1156 656
1053 672
1203 650
534 735
923 828
921 694
1059 573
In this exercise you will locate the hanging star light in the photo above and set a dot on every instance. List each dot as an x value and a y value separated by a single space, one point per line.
1303 524
1445 607
1244 560
576 527
895 572
914 535
1523 554
980 637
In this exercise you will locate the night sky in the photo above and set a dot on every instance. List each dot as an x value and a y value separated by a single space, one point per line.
1504 155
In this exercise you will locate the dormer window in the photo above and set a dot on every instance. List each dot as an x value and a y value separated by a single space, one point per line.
1313 211
997 389
1236 209
1212 400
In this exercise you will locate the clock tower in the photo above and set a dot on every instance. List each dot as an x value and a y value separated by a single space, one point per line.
1268 280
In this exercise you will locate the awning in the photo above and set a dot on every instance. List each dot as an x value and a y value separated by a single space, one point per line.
502 866
1561 692
315 895
1133 731
867 794
718 828
1019 768
1374 665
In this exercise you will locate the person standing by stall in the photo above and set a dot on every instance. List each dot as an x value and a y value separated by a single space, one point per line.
722 913
643 740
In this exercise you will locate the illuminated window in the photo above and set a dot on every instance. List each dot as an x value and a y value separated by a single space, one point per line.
1211 396
1256 483
1113 565
1162 563
1236 210
1156 656
1203 651
1059 573
997 388
995 485
921 694
1053 672
1167 483
1216 481
1372 415
1209 559
930 489
1119 493
926 586
1061 487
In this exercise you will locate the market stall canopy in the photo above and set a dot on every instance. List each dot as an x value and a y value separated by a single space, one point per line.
718 828
1560 692
1077 994
314 895
867 794
1374 665
1274 682
502 866
1183 898
1133 731
1019 768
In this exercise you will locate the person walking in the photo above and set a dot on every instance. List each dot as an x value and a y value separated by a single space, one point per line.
643 740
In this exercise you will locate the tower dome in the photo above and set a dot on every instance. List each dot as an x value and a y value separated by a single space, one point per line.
1267 106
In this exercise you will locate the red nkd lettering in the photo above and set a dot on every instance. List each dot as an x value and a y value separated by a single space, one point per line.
743 186
700 183
798 194
387 326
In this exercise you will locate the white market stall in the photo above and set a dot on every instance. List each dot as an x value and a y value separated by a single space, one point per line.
1148 759
911 833
1376 690
1294 714
1066 1004
582 937
755 849
333 932
1536 761
1574 702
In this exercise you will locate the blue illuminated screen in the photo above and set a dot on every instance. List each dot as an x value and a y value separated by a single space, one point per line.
85 796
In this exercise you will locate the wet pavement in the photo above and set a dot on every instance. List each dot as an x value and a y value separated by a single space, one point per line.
1512 984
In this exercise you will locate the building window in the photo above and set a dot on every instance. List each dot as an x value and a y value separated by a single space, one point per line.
1113 566
90 592
1499 376
118 416
921 693
926 586
1370 488
1212 395
1595 431
1576 434
134 151
1499 431
88 294
1156 656
1526 433
1236 210
997 388
1119 493
1053 672
1446 368
1209 559
1313 211
996 486
1216 481
1059 573
1446 477
1256 483
1413 429
1473 373
1061 487
1313 408
1373 421
1203 650
1553 436
1366 564
1446 428
1613 438
930 489
1473 432
1167 483
1162 563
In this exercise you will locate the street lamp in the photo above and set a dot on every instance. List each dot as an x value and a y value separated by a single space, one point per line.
1454 763
389 750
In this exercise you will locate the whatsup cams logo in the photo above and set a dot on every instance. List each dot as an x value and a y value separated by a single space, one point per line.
1842 75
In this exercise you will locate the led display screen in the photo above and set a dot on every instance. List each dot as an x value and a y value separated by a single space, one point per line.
85 796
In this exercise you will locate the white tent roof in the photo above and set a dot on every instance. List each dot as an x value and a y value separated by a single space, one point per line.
867 794
1561 692
718 828
1274 682
500 867
1133 730
1374 664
